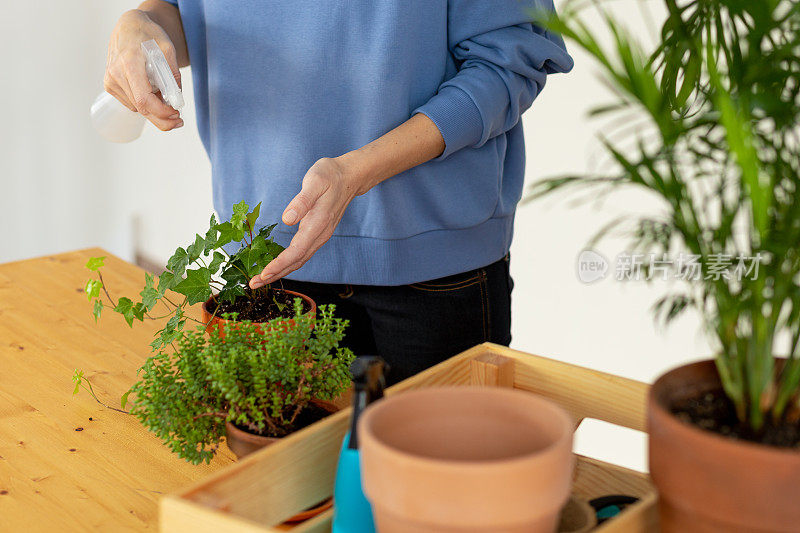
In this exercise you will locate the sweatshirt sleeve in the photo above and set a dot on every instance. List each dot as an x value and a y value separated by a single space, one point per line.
503 61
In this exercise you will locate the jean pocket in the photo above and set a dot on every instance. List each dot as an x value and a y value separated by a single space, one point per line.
452 283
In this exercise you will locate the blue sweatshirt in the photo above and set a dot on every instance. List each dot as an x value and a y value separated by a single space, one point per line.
282 83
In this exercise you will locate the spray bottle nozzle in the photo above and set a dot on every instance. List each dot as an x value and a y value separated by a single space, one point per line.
368 383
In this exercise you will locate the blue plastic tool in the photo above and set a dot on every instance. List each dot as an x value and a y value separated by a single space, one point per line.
352 512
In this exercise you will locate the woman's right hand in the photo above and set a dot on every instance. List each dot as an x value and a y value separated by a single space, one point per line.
126 77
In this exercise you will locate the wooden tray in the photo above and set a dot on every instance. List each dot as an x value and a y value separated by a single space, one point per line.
258 493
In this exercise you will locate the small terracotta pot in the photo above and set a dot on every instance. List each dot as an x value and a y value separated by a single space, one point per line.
243 443
213 321
711 483
466 459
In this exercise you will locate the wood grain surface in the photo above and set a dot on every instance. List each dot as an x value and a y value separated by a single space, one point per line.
66 462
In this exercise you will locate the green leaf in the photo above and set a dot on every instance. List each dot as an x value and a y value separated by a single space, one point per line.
252 217
230 293
77 377
216 262
229 233
94 263
196 249
235 273
166 281
124 400
265 232
129 311
211 241
97 310
149 294
92 288
196 286
239 214
178 262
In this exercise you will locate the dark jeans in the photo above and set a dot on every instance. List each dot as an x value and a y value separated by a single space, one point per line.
416 326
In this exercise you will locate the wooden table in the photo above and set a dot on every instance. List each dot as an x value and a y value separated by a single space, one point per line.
67 463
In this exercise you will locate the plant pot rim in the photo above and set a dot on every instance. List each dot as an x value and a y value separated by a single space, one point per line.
254 438
478 467
658 409
307 299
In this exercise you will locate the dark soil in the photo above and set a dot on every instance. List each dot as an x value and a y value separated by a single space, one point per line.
310 414
713 411
259 306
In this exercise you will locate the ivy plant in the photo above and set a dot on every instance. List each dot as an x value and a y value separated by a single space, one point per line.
194 272
260 379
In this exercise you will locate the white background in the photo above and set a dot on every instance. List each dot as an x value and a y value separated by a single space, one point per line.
64 188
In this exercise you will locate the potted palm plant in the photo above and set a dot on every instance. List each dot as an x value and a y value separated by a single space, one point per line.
721 151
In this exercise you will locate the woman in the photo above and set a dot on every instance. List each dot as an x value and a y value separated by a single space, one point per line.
386 137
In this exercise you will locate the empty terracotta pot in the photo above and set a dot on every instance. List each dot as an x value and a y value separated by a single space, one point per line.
466 459
214 322
709 483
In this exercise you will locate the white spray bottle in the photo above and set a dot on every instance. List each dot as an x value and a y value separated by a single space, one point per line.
117 123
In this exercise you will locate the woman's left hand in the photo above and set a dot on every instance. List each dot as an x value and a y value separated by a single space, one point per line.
328 188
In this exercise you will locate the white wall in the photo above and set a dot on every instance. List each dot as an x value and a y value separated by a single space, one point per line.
64 188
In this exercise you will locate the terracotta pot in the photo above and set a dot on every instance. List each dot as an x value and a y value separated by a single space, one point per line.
243 443
710 483
213 321
466 459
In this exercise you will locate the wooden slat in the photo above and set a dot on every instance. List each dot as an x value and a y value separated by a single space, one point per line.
586 393
66 463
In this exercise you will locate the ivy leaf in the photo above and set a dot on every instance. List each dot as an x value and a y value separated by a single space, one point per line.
211 240
166 281
94 263
125 308
229 233
265 232
196 249
178 262
274 249
124 400
239 214
149 294
170 332
229 294
252 217
216 262
196 286
92 288
97 310
77 377
235 273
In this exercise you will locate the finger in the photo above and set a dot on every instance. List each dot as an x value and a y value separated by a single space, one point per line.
322 239
287 257
291 256
313 233
115 91
116 85
172 58
145 100
298 208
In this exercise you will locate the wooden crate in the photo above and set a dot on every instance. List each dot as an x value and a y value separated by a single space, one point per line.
258 493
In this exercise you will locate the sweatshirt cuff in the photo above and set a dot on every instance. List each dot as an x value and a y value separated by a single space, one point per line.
457 117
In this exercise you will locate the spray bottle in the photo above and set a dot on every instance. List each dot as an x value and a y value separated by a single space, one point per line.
352 512
117 123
